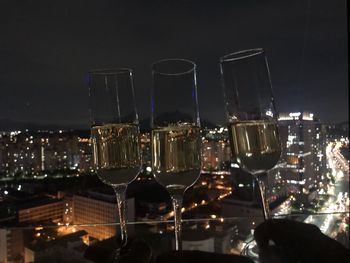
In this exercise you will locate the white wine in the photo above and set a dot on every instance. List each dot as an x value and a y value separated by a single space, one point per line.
117 154
255 145
176 156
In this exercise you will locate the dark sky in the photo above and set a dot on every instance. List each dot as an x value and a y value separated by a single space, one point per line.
47 46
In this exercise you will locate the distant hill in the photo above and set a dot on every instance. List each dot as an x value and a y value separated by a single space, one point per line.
208 124
145 124
10 125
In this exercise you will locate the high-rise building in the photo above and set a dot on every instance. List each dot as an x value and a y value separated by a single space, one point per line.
302 161
85 159
215 149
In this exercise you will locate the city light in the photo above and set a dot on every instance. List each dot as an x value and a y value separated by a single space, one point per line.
311 168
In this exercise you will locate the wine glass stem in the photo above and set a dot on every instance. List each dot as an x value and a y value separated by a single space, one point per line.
177 205
120 192
262 187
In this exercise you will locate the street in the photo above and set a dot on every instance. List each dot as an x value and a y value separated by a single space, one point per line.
337 205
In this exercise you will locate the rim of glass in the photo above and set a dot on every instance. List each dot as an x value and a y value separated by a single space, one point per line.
110 71
242 54
172 60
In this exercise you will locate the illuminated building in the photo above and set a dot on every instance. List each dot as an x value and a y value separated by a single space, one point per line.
24 154
215 149
96 208
68 209
41 209
146 149
59 151
336 131
85 160
71 246
302 161
11 245
20 154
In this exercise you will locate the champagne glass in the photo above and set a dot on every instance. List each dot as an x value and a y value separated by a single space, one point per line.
115 133
175 138
251 115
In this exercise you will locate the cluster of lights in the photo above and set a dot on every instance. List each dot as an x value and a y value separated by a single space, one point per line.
306 116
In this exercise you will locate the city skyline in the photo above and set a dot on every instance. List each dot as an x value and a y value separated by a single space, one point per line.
47 49
52 198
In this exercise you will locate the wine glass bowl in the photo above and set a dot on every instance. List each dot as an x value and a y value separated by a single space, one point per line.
251 115
176 163
255 145
116 152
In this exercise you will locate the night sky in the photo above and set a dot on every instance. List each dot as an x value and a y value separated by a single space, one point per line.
47 46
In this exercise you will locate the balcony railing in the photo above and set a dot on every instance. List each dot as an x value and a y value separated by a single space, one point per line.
93 242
